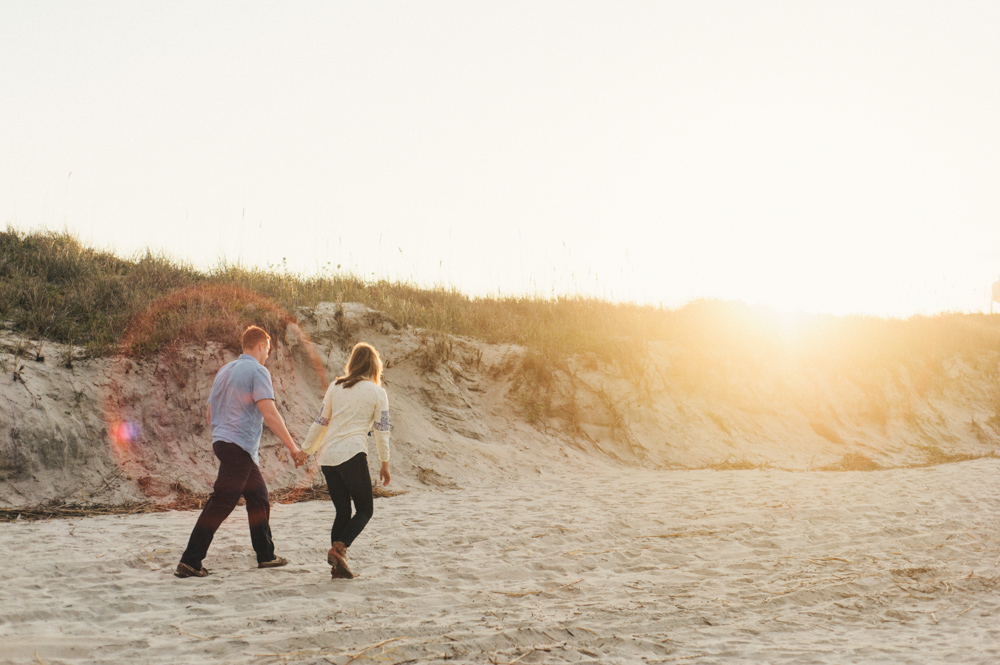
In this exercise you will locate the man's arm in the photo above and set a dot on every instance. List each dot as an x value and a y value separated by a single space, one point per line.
276 424
209 416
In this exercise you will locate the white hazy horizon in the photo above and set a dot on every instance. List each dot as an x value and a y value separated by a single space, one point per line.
828 157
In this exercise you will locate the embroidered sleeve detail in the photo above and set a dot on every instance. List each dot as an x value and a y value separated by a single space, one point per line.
320 420
383 424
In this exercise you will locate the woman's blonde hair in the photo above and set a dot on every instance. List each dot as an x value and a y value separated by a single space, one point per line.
364 363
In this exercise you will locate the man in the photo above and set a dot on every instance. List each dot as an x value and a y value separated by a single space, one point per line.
242 399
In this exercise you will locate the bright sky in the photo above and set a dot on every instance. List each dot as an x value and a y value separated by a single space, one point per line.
828 156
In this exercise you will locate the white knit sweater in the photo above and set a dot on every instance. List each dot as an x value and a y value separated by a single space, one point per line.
341 429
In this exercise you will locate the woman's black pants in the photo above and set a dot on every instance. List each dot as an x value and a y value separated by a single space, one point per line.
346 482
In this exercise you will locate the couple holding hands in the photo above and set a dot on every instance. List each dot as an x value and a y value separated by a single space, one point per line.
242 401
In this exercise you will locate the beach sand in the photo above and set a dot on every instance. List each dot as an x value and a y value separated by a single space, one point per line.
566 565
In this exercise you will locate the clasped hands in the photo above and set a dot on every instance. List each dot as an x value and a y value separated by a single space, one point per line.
300 456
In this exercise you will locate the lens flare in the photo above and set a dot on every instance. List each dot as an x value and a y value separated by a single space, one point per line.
124 433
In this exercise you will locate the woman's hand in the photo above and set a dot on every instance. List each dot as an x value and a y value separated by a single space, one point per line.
383 474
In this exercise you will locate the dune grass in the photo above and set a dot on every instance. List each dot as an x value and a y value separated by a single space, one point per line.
54 288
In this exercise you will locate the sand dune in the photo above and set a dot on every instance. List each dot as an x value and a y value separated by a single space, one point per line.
466 412
569 564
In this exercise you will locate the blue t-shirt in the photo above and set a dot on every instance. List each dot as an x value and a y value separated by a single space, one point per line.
238 387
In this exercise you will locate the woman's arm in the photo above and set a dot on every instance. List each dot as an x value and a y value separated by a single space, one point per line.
381 433
314 439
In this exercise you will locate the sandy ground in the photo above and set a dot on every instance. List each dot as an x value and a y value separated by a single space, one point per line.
897 566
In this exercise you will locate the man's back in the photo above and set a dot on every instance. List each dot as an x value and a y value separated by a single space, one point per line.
241 401
238 387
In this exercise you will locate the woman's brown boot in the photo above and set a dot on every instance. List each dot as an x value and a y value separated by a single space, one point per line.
337 557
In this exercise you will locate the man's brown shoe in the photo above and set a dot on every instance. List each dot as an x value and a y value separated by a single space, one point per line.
184 570
276 562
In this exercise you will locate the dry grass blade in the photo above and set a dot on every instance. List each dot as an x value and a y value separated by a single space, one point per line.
181 631
289 654
828 558
677 658
540 647
362 652
965 610
520 594
592 553
681 534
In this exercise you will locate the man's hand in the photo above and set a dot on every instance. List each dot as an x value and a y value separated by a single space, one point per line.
383 474
300 457
276 424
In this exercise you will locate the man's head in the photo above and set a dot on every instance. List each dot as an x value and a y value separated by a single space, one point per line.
256 343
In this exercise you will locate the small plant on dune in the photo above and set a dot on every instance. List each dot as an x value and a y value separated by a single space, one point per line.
533 411
853 462
534 381
933 455
347 330
742 463
434 351
979 431
546 388
66 356
475 358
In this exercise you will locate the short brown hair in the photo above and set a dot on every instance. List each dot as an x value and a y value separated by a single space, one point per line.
253 336
363 364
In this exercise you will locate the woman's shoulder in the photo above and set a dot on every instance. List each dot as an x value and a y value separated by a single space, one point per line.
364 385
372 387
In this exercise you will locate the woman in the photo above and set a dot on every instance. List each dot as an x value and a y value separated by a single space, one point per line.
354 405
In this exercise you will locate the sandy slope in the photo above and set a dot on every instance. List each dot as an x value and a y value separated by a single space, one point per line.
574 564
467 412
452 418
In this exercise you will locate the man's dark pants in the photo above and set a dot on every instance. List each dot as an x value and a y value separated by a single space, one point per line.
238 475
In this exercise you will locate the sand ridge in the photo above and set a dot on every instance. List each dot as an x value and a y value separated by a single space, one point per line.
465 411
566 565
